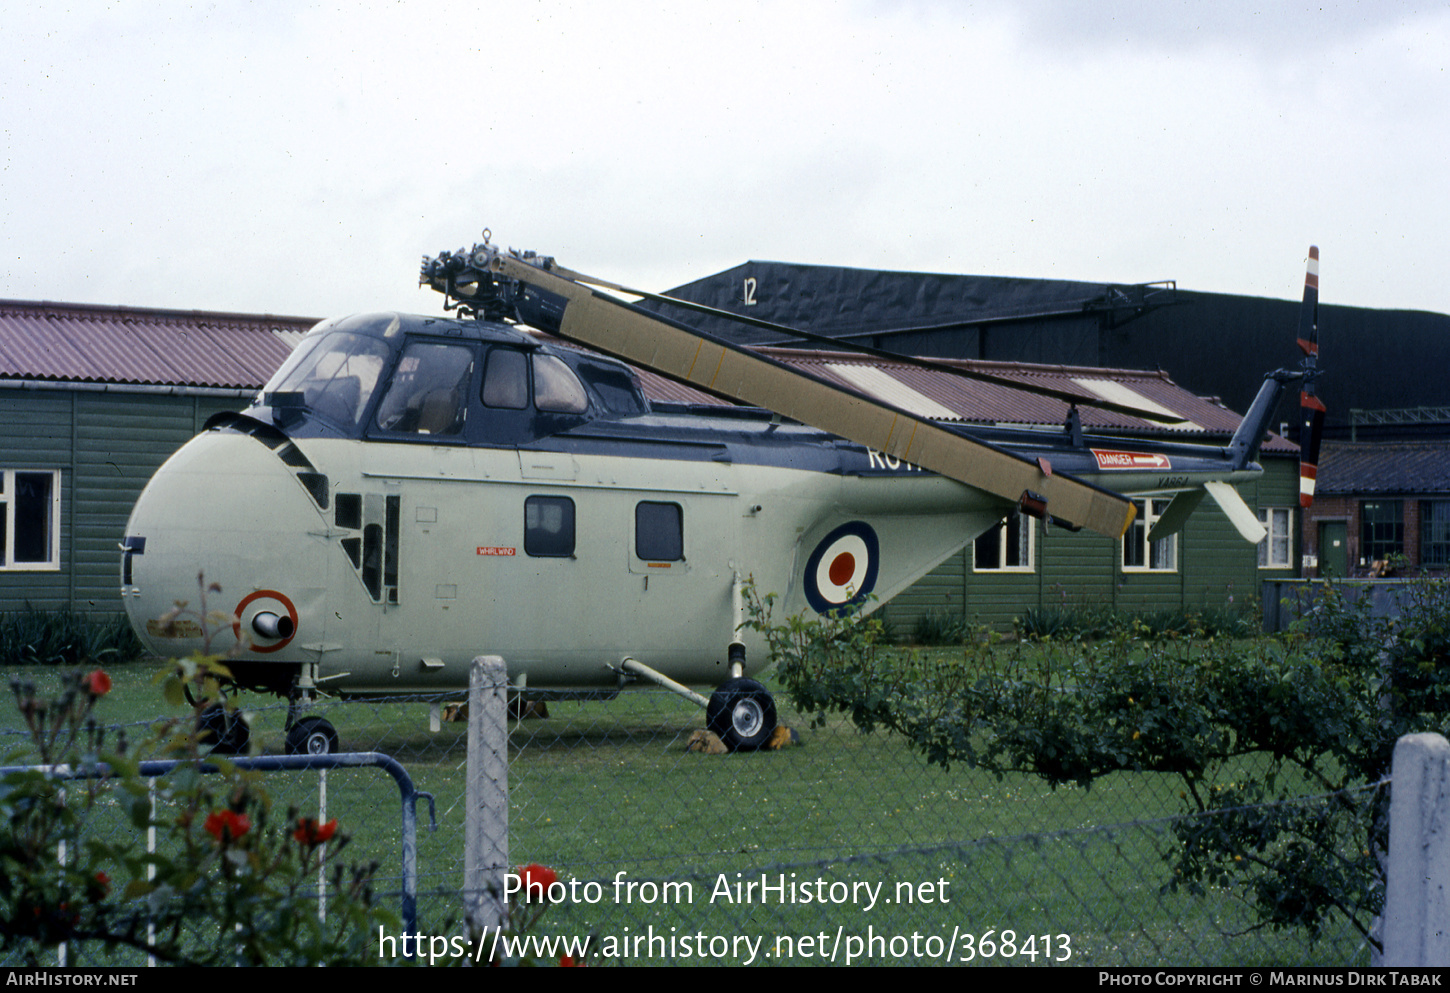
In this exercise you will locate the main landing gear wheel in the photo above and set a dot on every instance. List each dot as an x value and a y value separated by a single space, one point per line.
312 736
223 730
742 713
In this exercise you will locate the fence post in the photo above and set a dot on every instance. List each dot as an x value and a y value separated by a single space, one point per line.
1417 890
486 821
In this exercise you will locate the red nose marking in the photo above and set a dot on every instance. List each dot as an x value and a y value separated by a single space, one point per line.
843 567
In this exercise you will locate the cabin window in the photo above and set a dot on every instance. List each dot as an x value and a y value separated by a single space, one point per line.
429 390
372 560
1142 555
347 511
549 526
391 518
1381 530
1277 548
659 532
30 517
1435 534
556 388
506 379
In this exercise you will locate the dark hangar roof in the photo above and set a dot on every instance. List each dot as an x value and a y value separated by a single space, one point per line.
1213 343
132 345
844 302
1390 467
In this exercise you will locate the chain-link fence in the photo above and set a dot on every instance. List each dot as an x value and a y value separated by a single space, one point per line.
842 847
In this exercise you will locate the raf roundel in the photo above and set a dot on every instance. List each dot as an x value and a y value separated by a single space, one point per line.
842 569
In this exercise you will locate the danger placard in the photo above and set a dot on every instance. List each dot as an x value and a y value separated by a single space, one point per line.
1130 460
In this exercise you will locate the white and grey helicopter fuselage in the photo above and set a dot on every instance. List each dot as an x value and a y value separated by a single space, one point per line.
408 493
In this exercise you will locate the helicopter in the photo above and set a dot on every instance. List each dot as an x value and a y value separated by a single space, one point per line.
409 492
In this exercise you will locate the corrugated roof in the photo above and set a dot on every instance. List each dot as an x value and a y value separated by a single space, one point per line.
95 344
1407 467
978 402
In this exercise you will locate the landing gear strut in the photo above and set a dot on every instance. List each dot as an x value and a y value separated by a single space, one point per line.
741 712
307 735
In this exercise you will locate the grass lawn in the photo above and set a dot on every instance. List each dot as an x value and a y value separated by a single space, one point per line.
603 788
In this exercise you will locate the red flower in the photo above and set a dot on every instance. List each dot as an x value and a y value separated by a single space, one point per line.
569 962
96 682
227 825
101 884
312 834
537 879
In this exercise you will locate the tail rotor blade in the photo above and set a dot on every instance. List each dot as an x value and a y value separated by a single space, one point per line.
1309 311
1311 427
1311 408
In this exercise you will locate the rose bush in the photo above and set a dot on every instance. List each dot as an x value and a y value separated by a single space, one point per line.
228 883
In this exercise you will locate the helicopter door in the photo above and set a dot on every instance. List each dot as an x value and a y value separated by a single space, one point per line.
679 545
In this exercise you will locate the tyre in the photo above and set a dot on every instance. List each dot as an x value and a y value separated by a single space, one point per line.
223 730
312 736
742 713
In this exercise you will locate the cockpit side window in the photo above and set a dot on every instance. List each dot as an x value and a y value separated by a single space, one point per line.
428 394
506 379
336 374
556 388
616 389
529 394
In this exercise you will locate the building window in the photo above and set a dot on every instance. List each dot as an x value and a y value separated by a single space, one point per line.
1381 530
1008 547
549 527
1142 555
659 532
1435 534
31 520
1277 549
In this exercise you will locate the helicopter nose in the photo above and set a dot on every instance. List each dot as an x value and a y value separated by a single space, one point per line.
224 552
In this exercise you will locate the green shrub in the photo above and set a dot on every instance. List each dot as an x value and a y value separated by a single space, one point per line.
942 627
63 637
1319 713
1063 623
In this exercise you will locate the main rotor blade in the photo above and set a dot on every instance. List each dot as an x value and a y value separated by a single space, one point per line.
1084 399
612 326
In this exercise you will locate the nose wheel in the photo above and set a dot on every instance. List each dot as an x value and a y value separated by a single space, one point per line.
742 713
312 736
225 731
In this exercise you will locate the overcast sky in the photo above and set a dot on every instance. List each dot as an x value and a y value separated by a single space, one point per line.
300 158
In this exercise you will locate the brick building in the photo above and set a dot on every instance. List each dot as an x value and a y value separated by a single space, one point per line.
1384 502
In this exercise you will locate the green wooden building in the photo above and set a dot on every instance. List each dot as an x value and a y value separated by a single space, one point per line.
1207 566
92 401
